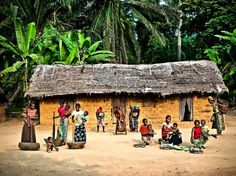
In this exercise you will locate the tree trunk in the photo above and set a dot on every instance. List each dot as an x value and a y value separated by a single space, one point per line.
124 51
179 49
26 76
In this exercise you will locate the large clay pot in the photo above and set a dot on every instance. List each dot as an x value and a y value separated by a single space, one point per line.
28 146
76 145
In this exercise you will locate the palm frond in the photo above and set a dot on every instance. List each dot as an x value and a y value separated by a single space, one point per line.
149 26
13 68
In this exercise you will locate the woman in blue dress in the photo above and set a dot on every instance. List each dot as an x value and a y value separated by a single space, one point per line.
79 118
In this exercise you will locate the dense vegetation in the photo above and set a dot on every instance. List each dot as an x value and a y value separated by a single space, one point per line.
120 31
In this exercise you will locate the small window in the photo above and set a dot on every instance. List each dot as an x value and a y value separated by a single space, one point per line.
186 108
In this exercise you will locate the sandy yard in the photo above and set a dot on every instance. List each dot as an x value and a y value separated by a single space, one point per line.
108 154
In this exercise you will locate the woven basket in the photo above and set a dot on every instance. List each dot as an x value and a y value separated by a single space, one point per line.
76 145
223 106
28 146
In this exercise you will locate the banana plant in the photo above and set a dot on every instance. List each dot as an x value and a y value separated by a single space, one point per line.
80 49
24 37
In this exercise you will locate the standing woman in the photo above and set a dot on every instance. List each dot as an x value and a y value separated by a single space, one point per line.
28 131
62 114
79 118
217 118
120 121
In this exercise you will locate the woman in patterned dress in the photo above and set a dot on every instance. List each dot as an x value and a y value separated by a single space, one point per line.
79 118
28 131
217 118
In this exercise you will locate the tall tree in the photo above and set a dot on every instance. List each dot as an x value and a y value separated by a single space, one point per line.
116 22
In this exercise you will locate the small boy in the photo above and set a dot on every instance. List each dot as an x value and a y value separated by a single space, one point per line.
50 145
100 119
150 134
205 131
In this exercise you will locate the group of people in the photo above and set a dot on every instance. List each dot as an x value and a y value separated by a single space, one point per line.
169 132
199 134
79 118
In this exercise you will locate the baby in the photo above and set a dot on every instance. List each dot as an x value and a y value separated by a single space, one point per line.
174 131
50 145
85 116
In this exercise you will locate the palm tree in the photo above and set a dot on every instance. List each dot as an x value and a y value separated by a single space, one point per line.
116 21
64 14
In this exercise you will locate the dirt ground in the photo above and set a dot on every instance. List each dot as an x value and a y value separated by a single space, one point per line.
108 154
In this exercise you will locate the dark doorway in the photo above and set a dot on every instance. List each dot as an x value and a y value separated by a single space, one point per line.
120 102
186 108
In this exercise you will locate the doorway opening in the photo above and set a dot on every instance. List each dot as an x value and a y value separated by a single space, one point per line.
186 108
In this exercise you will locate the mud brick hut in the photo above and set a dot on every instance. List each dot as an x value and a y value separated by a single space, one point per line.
2 107
179 89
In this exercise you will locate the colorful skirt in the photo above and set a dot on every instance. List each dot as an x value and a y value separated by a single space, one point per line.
80 133
218 122
28 134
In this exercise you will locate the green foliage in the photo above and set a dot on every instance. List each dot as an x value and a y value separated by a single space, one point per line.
24 37
71 47
225 57
50 46
15 67
116 23
202 20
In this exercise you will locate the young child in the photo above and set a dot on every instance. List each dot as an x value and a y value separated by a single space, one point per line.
205 131
50 145
100 119
174 131
68 111
85 116
196 135
150 134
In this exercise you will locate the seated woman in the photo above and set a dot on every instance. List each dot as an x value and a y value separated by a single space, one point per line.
196 135
169 133
166 129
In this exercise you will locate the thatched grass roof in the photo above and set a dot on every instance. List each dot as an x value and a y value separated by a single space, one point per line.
163 79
